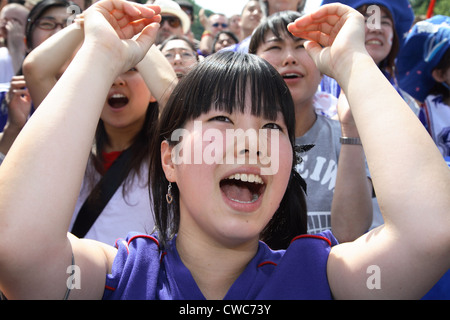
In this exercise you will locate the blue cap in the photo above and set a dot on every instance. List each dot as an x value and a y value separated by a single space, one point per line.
401 11
424 48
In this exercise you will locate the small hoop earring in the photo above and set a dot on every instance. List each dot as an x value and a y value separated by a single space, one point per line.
169 197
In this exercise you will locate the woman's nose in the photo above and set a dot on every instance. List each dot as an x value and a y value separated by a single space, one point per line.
119 81
289 58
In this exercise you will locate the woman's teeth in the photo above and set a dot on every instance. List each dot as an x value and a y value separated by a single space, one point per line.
243 188
246 177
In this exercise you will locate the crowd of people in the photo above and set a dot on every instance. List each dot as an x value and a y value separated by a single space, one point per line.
354 94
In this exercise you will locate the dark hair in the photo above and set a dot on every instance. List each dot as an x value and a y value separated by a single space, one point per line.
39 9
222 81
443 65
140 148
277 24
228 33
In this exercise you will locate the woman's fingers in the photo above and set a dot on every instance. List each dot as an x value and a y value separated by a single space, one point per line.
335 32
323 25
125 17
123 29
147 37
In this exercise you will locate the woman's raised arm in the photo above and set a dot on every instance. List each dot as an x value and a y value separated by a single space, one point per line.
41 176
406 256
43 65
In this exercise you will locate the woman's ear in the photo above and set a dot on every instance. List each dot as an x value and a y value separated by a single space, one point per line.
438 75
166 161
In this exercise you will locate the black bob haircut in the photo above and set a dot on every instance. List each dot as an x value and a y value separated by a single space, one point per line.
277 24
222 81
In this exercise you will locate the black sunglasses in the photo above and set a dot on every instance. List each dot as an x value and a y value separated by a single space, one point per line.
174 22
223 25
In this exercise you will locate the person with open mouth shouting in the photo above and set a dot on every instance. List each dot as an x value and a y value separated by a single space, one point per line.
207 244
114 195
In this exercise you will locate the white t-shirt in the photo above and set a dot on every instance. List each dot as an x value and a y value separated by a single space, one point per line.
6 66
121 215
437 115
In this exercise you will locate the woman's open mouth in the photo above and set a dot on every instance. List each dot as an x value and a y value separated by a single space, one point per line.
117 101
375 42
243 188
292 77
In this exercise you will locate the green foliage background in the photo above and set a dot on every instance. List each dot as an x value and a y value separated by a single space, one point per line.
441 7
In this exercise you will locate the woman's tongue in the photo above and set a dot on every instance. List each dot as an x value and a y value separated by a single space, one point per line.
238 192
117 102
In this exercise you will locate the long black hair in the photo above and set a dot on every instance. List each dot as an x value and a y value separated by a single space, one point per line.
140 149
222 81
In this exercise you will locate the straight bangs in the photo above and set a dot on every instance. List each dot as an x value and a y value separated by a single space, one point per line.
277 24
225 81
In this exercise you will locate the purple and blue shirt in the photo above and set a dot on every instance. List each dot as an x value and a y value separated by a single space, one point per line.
141 270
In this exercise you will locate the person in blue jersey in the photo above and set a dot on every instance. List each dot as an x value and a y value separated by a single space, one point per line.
387 25
424 72
212 212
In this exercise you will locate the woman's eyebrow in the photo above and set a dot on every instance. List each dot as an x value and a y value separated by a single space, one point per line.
279 39
274 39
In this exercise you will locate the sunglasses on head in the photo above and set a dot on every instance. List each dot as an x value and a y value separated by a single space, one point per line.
174 22
223 25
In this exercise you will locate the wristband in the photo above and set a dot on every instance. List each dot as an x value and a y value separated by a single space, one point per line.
347 140
206 34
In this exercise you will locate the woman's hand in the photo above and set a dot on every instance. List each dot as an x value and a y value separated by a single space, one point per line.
111 26
19 102
336 33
